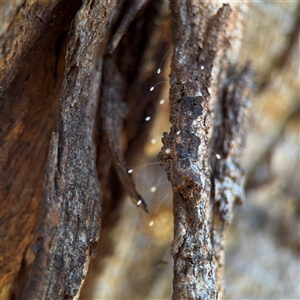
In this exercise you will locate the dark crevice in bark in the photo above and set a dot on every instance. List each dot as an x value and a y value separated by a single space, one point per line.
131 81
283 57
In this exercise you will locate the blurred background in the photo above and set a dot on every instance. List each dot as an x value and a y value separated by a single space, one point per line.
262 251
262 254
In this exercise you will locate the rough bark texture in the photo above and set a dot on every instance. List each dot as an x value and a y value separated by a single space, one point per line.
113 112
109 52
201 153
68 231
33 47
33 38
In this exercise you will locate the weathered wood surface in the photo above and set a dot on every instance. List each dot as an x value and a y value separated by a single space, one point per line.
32 66
33 58
49 58
201 153
68 232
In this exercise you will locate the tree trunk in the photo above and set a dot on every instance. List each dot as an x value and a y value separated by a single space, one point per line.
94 58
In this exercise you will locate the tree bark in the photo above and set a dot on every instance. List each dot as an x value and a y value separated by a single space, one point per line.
90 69
33 39
202 150
69 228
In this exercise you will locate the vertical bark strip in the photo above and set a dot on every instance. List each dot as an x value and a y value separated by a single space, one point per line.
32 49
70 218
113 111
204 54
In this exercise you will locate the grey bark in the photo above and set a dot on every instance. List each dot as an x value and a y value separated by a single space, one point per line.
202 150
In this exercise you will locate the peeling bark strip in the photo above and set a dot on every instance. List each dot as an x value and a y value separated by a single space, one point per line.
187 164
70 218
113 111
198 33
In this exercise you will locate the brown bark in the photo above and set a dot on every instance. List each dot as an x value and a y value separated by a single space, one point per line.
202 151
33 42
100 84
68 231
